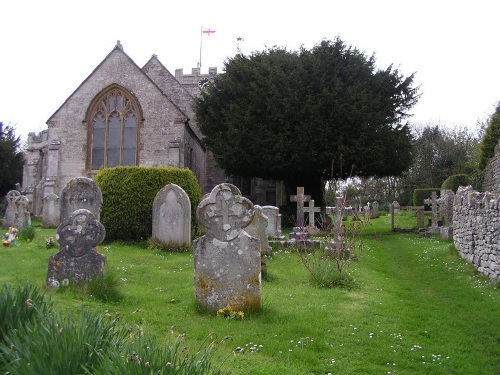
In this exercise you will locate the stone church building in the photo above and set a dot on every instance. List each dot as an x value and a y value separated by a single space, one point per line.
121 115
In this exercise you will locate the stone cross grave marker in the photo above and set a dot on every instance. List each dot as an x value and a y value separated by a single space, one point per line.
10 211
78 260
433 202
227 260
172 215
300 198
311 210
80 193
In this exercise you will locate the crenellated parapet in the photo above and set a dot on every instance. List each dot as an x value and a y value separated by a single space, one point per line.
476 229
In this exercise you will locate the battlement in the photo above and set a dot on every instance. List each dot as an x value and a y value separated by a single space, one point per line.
41 137
195 73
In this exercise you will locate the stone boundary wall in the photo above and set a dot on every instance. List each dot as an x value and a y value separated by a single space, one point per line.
491 180
476 229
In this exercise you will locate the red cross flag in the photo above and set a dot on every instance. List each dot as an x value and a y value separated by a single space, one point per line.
208 31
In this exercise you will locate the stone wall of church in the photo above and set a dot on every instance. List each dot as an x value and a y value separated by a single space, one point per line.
161 134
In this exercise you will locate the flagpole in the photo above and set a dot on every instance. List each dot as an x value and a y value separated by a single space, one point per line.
201 43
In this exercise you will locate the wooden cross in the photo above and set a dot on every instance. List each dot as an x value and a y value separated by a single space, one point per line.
300 198
311 210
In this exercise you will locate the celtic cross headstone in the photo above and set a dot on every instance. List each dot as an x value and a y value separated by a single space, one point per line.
78 259
227 260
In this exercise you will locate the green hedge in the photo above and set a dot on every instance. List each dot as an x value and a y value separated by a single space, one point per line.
455 181
128 194
419 195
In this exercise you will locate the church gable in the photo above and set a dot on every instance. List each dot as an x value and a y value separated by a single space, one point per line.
95 128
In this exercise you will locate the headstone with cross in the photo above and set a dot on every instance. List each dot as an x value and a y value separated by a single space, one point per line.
227 260
433 202
23 217
311 210
78 260
300 198
10 211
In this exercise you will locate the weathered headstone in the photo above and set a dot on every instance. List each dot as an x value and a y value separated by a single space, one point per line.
374 212
396 206
258 229
299 232
446 207
80 193
51 211
172 215
23 217
274 220
300 198
227 260
311 210
433 202
77 260
10 211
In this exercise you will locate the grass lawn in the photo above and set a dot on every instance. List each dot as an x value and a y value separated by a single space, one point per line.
418 308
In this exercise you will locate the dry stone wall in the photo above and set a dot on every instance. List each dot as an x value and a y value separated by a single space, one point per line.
476 229
491 180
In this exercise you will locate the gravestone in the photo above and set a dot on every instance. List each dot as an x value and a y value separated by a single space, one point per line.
172 215
80 193
78 260
374 212
396 206
227 260
300 198
446 207
10 210
433 202
300 232
51 211
274 220
311 210
23 217
258 229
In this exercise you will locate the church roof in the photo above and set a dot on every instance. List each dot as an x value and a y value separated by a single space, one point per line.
119 49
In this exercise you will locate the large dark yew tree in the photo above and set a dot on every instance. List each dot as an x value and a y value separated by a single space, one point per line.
11 159
284 115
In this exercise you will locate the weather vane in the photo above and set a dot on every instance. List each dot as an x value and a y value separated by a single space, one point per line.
238 46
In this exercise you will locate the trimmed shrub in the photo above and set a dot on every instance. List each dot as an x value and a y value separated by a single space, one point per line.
128 194
454 181
419 195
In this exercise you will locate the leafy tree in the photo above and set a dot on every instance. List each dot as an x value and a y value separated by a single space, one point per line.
490 139
438 154
11 159
284 115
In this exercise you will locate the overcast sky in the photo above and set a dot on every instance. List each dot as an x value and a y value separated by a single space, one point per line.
49 47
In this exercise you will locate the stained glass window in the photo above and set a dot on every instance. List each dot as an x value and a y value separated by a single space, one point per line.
113 129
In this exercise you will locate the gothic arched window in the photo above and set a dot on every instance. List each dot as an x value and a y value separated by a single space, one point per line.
113 129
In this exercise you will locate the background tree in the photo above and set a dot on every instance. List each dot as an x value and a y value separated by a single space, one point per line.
439 153
490 139
11 159
284 115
